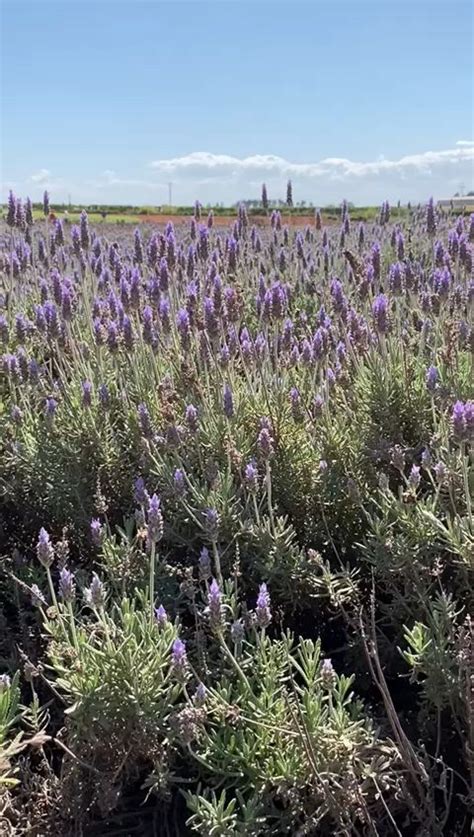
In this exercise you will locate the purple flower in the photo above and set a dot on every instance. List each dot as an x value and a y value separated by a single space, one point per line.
395 278
380 313
199 697
328 675
237 631
204 563
265 444
469 418
5 682
430 217
179 482
432 377
179 658
45 203
228 402
458 420
318 404
426 459
214 603
251 476
262 610
144 419
376 259
16 414
441 472
161 617
210 319
104 396
296 409
184 328
67 589
50 408
147 319
138 245
4 328
337 294
37 598
84 226
191 416
154 520
211 520
140 494
414 478
86 394
95 594
112 337
96 531
128 334
11 210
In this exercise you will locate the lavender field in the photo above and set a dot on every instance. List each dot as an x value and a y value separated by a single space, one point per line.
236 526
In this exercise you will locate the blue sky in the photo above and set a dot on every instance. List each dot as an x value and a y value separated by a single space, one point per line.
108 101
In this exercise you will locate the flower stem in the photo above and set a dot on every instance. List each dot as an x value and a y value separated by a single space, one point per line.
152 583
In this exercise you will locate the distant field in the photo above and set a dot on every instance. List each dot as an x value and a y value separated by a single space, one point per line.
222 215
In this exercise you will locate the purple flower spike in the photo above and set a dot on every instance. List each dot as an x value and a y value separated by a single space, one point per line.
37 598
328 675
228 402
161 616
179 658
96 531
86 394
211 519
380 313
50 408
67 589
140 493
144 419
179 482
95 594
214 602
44 549
191 415
204 563
432 378
414 478
265 444
155 521
200 695
262 610
458 420
5 682
251 476
469 418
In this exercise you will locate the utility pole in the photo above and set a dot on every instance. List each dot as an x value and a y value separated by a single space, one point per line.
170 194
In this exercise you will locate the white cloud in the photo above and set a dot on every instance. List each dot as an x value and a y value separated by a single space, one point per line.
42 176
214 178
223 177
199 162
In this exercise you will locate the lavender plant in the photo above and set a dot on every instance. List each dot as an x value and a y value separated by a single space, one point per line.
189 415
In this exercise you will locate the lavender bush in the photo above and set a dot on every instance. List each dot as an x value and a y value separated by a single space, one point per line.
224 454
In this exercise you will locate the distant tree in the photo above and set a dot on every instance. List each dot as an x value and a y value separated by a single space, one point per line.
264 197
289 194
470 194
